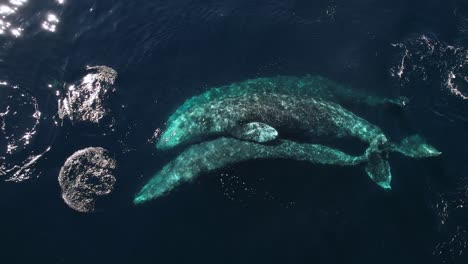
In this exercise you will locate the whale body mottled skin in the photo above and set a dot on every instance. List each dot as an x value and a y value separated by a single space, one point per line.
183 127
218 153
314 118
211 155
252 120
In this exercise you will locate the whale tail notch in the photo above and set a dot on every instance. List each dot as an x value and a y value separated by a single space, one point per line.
377 167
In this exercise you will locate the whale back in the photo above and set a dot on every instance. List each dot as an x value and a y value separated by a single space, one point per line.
192 122
258 117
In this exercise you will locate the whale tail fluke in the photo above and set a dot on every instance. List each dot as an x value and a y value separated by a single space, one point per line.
415 147
377 167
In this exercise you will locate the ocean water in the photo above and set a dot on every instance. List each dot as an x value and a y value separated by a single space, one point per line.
268 211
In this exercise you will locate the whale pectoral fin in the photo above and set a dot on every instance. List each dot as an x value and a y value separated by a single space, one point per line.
256 131
378 170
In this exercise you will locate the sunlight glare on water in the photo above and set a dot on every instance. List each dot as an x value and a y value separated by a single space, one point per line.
14 23
20 118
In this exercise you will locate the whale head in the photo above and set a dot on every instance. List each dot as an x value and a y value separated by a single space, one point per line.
185 129
170 139
177 134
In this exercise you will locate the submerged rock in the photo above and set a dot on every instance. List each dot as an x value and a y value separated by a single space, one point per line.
85 176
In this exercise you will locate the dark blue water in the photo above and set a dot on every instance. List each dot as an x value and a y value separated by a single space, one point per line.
290 212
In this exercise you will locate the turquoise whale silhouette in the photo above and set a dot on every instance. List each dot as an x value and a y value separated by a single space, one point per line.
197 118
249 122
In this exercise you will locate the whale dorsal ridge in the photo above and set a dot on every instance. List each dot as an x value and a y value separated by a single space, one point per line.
256 131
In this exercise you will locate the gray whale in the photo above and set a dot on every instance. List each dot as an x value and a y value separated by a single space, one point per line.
263 114
196 119
250 122
211 155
